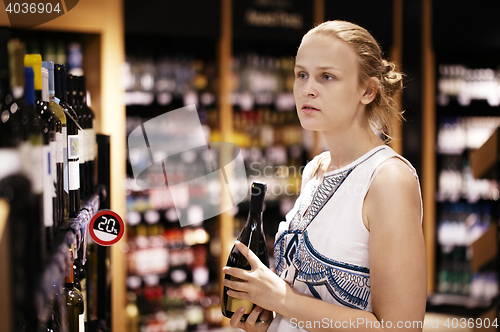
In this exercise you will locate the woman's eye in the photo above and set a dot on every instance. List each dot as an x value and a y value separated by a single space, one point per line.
301 75
328 77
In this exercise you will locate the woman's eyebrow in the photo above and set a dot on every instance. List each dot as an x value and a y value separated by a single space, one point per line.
320 68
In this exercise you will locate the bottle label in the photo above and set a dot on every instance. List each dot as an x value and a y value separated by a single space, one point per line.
81 323
52 165
47 187
65 160
36 169
73 147
74 175
12 162
233 304
82 153
59 147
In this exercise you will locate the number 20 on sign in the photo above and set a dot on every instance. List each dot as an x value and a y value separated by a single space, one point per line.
106 227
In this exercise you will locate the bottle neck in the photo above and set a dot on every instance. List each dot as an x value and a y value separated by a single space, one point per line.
69 269
255 217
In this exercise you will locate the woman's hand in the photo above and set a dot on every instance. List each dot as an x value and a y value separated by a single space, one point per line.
257 321
260 285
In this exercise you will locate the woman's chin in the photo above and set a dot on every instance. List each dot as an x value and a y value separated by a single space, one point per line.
311 124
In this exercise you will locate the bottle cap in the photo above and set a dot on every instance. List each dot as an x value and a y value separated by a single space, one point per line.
35 61
257 199
49 65
29 87
45 84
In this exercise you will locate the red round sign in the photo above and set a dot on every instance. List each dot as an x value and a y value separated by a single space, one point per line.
106 227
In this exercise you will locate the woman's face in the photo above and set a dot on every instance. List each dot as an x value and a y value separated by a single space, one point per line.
327 92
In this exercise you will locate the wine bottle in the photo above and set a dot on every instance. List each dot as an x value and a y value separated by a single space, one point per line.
252 235
91 136
17 203
55 144
72 152
52 124
74 300
32 152
82 118
10 119
80 275
61 147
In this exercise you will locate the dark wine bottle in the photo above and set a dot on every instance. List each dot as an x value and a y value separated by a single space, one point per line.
73 151
73 103
52 124
90 137
61 148
74 300
252 235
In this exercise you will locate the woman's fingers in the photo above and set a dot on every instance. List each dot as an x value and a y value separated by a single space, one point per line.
266 316
236 318
235 272
249 255
236 285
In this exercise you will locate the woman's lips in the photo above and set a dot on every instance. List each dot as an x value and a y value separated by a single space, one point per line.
309 109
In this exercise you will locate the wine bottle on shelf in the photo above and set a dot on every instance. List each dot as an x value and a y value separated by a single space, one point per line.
52 126
10 119
73 152
32 152
55 144
91 136
74 300
16 204
252 235
73 103
80 274
61 147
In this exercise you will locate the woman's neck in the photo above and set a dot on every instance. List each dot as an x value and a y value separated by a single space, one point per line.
348 145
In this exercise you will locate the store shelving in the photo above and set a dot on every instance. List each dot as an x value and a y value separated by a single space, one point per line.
459 118
99 27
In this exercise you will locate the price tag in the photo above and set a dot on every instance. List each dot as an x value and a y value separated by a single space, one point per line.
106 227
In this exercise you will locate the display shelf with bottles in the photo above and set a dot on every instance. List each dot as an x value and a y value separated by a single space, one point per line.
466 205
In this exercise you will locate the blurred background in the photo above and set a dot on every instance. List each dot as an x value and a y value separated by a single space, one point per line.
234 60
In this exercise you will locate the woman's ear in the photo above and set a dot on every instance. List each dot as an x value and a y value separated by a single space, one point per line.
370 90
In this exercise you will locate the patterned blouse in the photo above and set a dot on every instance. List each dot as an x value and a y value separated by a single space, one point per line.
322 247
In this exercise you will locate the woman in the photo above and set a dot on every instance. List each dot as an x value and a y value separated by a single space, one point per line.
350 255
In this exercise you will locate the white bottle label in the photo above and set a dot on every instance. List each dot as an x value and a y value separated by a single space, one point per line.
36 169
74 175
65 159
10 162
59 147
81 323
73 147
81 147
53 171
47 187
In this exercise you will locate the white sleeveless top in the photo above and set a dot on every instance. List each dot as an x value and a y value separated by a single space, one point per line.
322 247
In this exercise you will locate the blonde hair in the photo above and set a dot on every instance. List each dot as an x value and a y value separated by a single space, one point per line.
383 112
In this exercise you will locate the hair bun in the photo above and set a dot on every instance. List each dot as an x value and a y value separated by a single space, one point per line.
392 79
